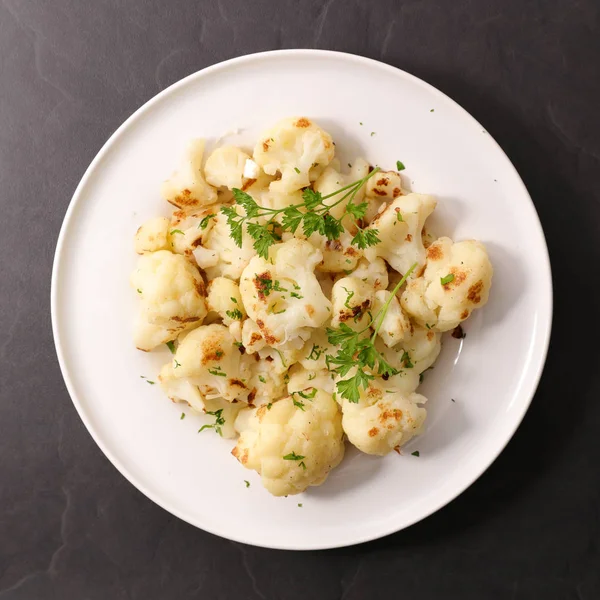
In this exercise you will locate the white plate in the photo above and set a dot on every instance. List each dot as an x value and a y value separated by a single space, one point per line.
447 153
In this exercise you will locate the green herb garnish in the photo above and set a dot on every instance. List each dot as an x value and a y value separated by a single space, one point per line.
235 314
204 222
448 279
171 347
348 297
219 422
298 403
182 416
356 351
218 372
297 169
400 166
262 379
315 353
415 453
247 483
313 214
293 456
177 231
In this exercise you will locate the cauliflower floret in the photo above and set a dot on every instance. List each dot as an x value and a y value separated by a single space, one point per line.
186 231
182 390
352 301
381 421
457 280
225 167
152 236
219 255
291 447
225 299
266 383
252 338
187 188
373 273
338 255
173 298
400 226
301 379
316 348
282 358
384 185
422 346
283 297
296 148
208 358
395 323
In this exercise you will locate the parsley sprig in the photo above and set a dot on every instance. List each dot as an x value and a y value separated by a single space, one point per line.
355 350
313 214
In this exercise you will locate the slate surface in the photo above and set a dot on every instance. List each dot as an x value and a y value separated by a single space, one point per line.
70 72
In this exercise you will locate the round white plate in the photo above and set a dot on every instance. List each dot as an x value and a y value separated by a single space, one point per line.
372 110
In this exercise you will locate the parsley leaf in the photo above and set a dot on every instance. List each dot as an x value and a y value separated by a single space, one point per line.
448 279
235 314
171 346
219 422
204 222
293 456
400 166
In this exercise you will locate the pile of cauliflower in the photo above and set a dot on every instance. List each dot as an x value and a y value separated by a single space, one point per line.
249 334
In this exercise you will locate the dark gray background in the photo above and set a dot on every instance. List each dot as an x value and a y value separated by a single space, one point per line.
70 72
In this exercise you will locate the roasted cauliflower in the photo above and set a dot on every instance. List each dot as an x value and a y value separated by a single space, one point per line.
292 444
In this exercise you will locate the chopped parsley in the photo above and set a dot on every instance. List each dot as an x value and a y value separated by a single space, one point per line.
204 222
405 360
262 379
269 406
182 416
218 372
177 363
150 382
296 295
315 353
171 347
415 453
399 217
298 403
372 133
233 299
309 396
299 504
432 110
448 279
277 287
293 456
247 483
235 314
219 422
348 297
297 169
174 231
139 291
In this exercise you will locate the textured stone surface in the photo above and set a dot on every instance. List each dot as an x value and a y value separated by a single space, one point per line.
70 73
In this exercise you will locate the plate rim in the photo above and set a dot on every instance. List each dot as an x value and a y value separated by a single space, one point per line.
58 265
